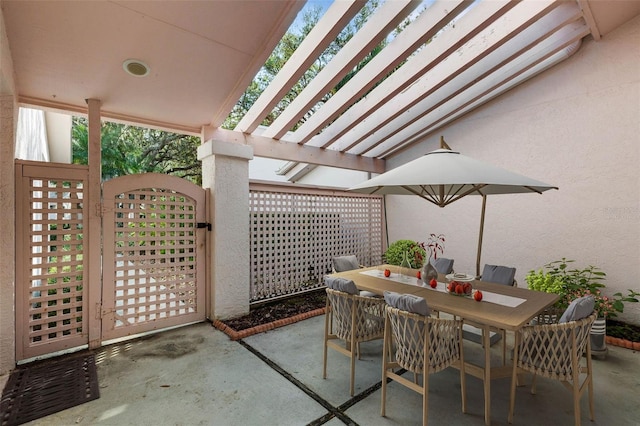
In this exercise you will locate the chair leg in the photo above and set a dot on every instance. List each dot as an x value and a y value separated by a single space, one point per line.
326 336
590 378
353 370
386 352
463 377
425 398
576 399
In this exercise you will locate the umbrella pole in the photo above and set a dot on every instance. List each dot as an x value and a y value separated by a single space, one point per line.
484 205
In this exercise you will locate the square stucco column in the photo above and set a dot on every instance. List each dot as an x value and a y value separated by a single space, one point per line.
225 171
8 118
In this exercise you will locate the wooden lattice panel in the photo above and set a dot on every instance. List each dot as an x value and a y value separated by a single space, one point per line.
294 236
155 256
55 261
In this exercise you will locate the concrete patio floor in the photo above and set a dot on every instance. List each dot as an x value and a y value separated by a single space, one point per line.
195 375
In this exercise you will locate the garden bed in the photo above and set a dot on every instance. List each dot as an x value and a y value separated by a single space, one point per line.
623 334
275 314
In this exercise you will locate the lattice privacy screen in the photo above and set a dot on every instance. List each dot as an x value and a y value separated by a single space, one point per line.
294 236
56 261
155 262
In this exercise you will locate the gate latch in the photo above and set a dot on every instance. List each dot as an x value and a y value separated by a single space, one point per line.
201 225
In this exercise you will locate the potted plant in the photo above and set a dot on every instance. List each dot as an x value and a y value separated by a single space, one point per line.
415 253
556 277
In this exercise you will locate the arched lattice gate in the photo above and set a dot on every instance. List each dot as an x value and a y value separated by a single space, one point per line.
151 244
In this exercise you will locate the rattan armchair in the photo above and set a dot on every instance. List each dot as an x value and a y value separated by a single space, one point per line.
423 345
349 320
555 351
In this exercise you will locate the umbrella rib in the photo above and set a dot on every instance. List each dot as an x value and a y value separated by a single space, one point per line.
424 195
533 189
456 196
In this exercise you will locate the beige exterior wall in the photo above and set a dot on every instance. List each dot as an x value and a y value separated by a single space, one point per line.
576 126
8 120
225 170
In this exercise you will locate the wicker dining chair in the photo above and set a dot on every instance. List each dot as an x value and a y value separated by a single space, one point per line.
554 350
423 345
349 320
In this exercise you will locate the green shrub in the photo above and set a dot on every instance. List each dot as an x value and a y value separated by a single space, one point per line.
396 251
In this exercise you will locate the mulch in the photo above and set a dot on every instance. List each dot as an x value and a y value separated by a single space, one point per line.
274 315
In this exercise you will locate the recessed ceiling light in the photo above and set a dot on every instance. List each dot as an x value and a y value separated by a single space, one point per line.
136 67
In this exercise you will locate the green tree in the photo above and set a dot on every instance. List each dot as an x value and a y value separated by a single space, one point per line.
130 150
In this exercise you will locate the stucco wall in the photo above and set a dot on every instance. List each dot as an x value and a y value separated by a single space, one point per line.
576 126
8 118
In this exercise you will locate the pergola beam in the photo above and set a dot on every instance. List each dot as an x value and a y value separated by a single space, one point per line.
287 151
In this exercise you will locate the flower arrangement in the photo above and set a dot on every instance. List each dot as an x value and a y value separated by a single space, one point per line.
573 283
435 244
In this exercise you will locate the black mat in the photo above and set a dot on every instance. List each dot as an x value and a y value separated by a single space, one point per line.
46 387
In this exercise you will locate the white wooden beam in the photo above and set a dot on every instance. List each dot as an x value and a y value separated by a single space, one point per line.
510 74
402 110
326 30
588 17
287 151
358 116
386 18
417 33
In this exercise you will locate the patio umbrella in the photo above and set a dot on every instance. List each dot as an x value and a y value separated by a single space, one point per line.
444 176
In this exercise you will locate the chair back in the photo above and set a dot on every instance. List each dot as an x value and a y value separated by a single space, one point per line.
499 274
443 265
554 350
355 318
345 263
418 338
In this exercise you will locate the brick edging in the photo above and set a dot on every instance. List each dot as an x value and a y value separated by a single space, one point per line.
236 335
623 343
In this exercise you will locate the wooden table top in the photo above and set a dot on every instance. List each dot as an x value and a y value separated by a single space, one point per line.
483 312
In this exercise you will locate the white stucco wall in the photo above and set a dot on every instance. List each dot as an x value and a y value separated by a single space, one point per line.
576 126
225 170
330 176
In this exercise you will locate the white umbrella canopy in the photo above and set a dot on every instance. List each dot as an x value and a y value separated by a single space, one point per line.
444 176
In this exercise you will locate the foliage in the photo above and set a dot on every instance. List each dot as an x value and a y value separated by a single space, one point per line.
396 251
130 150
285 49
556 277
435 244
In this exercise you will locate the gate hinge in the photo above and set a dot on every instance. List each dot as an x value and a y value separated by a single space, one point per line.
102 312
201 225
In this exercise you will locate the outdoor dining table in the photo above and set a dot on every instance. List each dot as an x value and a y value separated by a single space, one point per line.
503 307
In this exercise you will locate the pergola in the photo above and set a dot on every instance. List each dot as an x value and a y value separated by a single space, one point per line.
455 55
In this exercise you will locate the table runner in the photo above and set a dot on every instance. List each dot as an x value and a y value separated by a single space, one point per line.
487 296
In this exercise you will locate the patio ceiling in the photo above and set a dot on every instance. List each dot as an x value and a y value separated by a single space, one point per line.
454 56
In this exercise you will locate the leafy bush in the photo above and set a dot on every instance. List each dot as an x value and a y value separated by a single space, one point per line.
557 278
396 251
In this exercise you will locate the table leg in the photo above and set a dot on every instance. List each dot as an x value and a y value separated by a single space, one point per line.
486 338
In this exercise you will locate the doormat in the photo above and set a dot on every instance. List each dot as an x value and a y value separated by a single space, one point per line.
46 387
